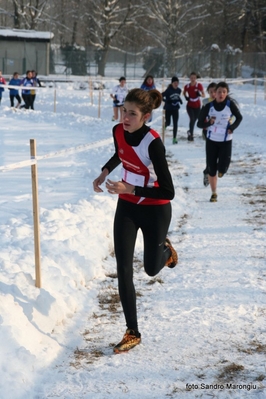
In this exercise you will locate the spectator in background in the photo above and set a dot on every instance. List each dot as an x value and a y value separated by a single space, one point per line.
148 83
36 82
2 82
27 83
13 93
118 95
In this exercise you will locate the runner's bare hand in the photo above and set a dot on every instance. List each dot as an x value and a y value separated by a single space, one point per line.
119 187
99 180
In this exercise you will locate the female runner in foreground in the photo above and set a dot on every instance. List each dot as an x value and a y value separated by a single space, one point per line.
144 195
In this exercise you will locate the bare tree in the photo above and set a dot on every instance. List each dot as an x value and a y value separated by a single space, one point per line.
175 20
238 23
60 19
27 13
170 27
5 13
253 18
106 20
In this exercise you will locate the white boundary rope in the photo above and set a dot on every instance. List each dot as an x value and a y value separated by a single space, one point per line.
181 79
18 165
72 150
7 86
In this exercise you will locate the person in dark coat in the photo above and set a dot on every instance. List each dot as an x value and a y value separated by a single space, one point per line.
14 93
172 101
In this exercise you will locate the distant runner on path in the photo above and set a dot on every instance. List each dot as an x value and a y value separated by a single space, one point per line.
220 118
192 92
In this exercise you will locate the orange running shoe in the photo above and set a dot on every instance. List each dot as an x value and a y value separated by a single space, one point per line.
130 339
173 260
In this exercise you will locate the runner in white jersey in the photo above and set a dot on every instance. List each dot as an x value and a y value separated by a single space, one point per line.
118 95
211 90
219 118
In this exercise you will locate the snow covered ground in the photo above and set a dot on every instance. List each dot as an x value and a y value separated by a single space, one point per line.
203 323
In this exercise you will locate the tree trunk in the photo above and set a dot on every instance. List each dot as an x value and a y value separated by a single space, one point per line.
74 33
102 62
244 33
17 22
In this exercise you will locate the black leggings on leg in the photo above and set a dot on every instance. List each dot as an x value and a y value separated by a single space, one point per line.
28 101
12 97
175 115
193 114
154 222
218 156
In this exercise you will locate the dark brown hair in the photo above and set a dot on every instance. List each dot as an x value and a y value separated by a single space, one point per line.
224 85
146 78
212 85
146 101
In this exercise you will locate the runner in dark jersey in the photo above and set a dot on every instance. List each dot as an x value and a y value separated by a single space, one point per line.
172 102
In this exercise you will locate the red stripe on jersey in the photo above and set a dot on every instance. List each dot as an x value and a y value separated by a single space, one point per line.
136 160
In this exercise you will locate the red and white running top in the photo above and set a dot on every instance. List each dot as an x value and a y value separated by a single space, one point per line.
193 93
137 168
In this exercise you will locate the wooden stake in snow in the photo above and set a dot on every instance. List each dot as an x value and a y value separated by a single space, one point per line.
36 222
163 117
255 90
99 103
91 90
55 98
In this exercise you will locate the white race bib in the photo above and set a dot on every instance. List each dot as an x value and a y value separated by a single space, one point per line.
220 130
133 178
217 129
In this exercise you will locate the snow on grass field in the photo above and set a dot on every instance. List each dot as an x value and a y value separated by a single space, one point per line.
203 323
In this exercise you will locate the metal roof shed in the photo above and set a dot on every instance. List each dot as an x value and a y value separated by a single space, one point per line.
24 49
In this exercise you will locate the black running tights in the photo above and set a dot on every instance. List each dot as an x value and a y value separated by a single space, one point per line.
175 115
218 156
193 114
154 221
28 101
12 97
